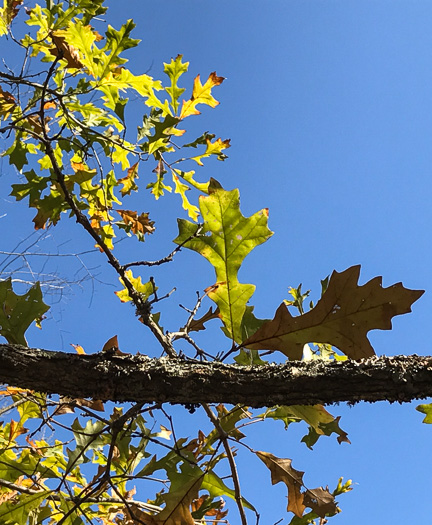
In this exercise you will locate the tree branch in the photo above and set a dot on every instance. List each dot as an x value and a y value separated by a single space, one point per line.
142 379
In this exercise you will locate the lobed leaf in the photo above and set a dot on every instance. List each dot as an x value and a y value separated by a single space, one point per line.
17 312
341 318
227 237
201 94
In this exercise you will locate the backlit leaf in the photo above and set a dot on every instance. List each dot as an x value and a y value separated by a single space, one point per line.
181 189
201 94
213 148
145 289
7 13
17 312
320 421
226 238
217 487
341 318
427 410
139 225
174 70
128 182
281 470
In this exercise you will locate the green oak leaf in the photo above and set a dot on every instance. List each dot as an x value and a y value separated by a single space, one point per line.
33 188
17 312
225 240
174 70
181 189
427 410
17 153
20 508
320 421
216 487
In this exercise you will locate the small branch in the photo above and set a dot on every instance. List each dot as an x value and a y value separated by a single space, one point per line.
234 474
169 257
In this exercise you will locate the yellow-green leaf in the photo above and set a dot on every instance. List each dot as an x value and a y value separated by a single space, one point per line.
226 238
174 70
145 289
17 312
181 188
201 94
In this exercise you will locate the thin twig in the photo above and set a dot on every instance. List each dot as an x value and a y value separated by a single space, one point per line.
224 438
170 256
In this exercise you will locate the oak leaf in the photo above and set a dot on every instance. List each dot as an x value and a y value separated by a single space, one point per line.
128 182
17 312
7 103
198 324
342 317
145 289
65 51
201 94
138 224
320 500
281 470
226 238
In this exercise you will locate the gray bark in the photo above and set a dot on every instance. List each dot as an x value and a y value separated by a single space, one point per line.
139 378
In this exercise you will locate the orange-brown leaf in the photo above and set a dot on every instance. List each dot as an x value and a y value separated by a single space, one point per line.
50 105
139 224
79 349
281 470
65 51
67 405
7 103
128 182
342 317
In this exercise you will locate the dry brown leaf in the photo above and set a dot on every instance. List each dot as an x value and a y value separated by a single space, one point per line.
139 224
342 317
321 501
68 404
111 344
198 324
281 470
65 51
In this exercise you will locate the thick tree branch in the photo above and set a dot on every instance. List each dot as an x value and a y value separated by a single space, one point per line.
141 379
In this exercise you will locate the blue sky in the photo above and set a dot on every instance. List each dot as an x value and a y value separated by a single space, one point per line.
329 109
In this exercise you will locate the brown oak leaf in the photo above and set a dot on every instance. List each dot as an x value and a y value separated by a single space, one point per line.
342 317
138 224
64 50
320 500
281 470
198 324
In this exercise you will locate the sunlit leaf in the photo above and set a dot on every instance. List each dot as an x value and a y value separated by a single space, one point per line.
227 237
17 312
145 289
201 94
342 317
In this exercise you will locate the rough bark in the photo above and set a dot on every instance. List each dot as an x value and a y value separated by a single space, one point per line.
138 378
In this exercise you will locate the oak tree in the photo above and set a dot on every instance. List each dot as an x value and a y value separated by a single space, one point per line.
68 118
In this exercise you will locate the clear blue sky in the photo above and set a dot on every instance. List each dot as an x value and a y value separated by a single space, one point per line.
328 105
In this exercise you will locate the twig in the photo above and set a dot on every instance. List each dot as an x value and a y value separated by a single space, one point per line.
224 438
170 256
